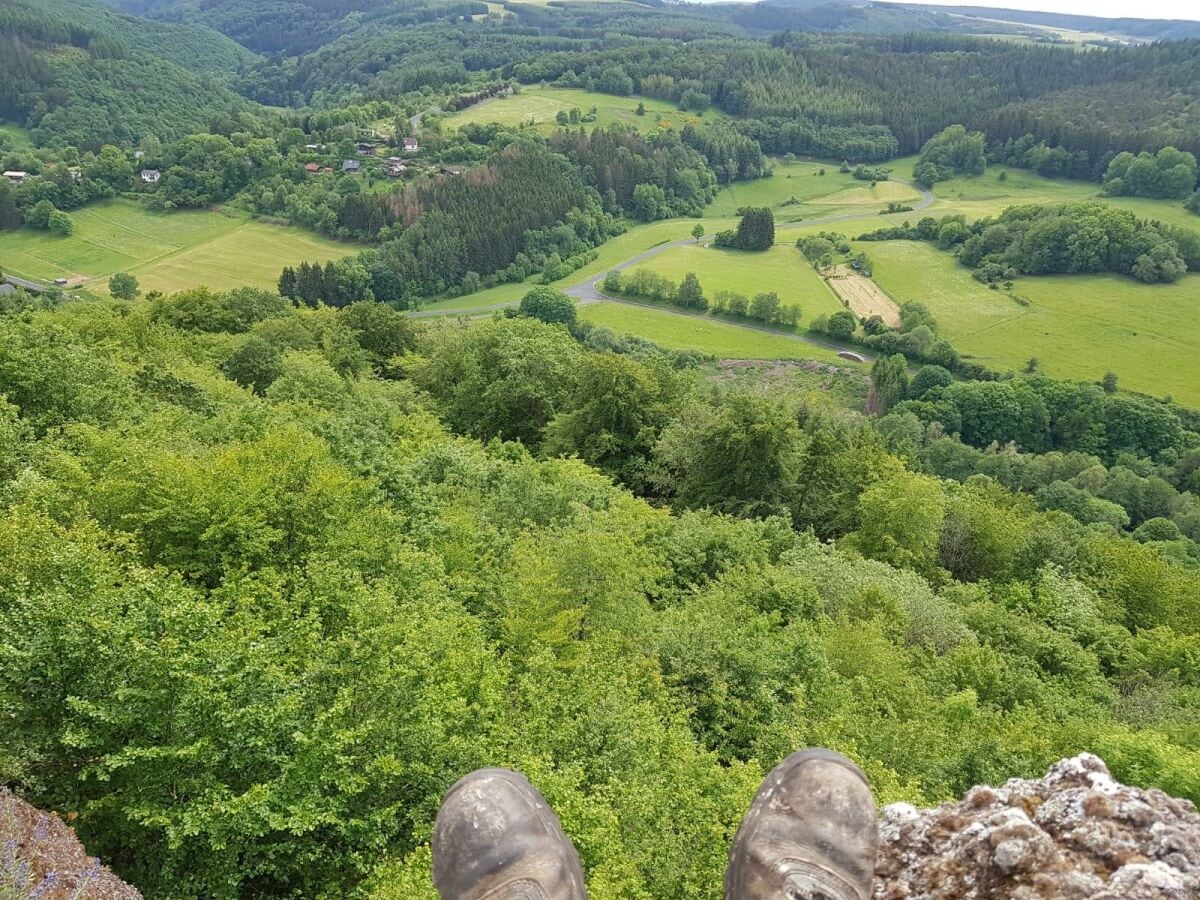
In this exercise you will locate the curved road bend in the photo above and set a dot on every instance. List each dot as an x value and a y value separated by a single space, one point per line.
588 292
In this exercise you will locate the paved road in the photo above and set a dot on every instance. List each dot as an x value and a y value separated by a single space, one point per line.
588 291
34 286
415 121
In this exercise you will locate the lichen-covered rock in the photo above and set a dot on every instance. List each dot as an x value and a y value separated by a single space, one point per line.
1074 834
40 857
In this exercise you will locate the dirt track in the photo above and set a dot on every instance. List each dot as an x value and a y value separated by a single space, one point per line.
864 297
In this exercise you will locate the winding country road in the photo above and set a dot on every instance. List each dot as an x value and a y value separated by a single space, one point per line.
588 291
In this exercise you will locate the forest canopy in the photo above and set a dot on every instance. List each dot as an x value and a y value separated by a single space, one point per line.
565 554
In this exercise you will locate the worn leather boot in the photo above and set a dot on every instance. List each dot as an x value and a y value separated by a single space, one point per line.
497 838
811 834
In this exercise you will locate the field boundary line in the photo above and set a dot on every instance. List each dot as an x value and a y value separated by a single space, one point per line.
114 224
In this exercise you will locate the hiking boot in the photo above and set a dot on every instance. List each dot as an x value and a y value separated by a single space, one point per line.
497 838
811 834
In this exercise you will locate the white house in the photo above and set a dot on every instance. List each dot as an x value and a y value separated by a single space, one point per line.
411 145
151 176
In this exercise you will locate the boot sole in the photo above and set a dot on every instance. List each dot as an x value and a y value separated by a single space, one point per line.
733 872
544 813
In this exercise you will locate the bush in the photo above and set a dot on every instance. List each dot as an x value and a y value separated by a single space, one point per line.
548 305
841 325
123 286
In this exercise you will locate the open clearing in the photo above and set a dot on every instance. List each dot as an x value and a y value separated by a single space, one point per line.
864 297
1078 326
793 182
13 136
537 106
986 324
781 269
882 193
166 251
675 331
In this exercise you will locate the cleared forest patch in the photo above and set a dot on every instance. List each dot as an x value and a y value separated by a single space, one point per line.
864 297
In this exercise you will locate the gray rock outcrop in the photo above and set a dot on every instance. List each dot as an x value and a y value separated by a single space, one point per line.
1076 833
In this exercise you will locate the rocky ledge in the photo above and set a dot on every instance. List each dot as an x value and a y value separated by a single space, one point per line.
41 858
1076 833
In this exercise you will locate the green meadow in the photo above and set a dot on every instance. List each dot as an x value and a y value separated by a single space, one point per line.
677 331
166 251
538 106
781 269
797 190
1078 326
13 136
636 240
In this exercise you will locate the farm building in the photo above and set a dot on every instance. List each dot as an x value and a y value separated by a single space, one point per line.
151 176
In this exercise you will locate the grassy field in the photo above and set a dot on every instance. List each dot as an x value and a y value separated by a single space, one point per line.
166 251
1078 326
1013 186
678 332
619 249
792 180
538 106
781 269
13 136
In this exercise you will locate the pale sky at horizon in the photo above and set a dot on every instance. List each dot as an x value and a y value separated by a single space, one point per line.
1113 9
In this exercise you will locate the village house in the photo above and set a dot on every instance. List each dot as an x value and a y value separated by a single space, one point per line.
16 177
452 170
411 145
366 149
351 165
151 176
396 167
312 168
314 148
